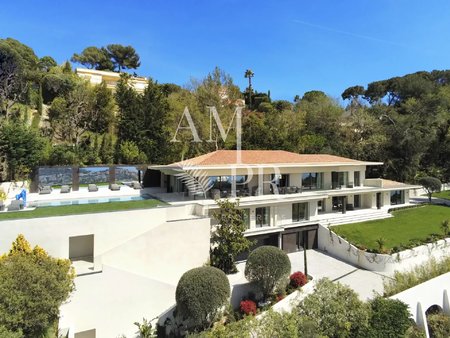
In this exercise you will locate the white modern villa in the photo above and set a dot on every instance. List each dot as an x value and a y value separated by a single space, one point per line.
283 194
129 262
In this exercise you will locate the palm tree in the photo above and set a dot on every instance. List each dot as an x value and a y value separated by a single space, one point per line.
248 75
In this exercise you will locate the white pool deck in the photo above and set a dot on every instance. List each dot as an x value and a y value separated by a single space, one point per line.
103 192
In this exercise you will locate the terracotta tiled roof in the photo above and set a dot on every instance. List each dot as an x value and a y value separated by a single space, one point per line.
257 157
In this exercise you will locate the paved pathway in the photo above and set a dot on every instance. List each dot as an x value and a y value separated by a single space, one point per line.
321 265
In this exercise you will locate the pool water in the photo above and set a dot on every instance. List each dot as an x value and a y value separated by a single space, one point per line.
78 201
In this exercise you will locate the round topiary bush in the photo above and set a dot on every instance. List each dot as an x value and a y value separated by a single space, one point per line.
267 267
200 295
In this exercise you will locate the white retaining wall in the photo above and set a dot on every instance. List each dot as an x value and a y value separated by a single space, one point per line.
338 247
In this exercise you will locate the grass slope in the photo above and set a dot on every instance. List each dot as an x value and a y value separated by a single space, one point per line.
80 209
443 194
406 225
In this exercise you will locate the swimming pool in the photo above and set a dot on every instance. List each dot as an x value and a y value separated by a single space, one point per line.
78 201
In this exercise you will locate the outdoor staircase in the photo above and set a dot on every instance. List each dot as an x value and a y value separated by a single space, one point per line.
355 217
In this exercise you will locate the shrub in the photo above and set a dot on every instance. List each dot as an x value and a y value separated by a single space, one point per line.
297 279
267 267
248 307
33 286
439 325
336 310
200 295
419 274
389 318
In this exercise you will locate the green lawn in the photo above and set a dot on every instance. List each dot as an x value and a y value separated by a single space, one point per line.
443 194
80 209
415 224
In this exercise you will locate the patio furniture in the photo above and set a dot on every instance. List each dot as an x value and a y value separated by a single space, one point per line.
92 188
349 206
136 185
46 189
291 190
16 205
65 189
245 192
2 206
114 187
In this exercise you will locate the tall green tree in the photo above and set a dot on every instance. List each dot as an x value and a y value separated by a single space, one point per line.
123 57
94 58
21 147
228 240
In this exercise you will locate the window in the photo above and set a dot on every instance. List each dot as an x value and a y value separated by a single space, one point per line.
356 201
281 180
339 179
397 197
299 212
357 179
246 217
311 181
262 217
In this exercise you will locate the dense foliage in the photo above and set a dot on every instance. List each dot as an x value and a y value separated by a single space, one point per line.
227 240
389 318
200 295
439 325
33 286
268 267
333 310
421 273
336 310
403 121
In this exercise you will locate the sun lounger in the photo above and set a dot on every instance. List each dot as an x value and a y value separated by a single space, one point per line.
136 185
114 187
15 205
45 190
92 188
65 189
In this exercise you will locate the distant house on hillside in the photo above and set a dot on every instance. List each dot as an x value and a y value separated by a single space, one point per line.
111 78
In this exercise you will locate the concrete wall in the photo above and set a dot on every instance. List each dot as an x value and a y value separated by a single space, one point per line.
338 247
164 252
109 229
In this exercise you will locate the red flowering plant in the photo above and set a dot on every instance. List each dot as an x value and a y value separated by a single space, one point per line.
297 279
248 307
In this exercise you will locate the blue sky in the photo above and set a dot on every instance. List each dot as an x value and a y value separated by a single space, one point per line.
292 46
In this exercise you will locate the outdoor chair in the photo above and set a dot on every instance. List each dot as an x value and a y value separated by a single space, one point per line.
92 188
65 189
15 205
136 185
245 192
45 190
114 187
349 206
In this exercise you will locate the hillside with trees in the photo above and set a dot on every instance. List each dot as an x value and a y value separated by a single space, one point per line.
51 116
